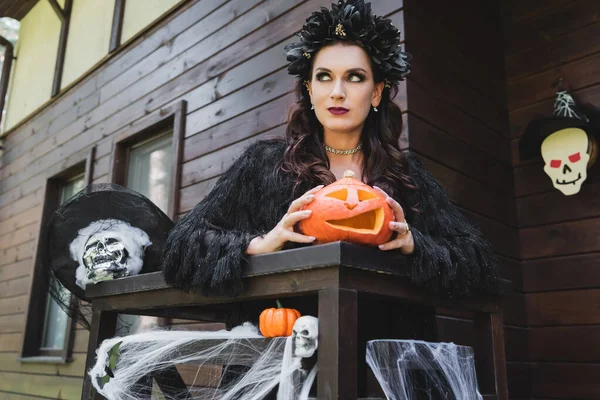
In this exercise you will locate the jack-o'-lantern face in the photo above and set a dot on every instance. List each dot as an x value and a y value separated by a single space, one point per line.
348 210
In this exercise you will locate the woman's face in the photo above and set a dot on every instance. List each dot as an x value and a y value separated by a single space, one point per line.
342 89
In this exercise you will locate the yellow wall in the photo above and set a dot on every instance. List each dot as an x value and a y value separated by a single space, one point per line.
89 37
33 70
141 13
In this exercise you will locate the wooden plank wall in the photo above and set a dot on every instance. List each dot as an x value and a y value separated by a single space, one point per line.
224 57
458 124
546 40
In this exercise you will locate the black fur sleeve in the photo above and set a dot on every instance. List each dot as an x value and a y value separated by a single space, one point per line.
205 251
450 255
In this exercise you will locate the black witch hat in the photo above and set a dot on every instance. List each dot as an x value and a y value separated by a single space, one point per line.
567 114
98 208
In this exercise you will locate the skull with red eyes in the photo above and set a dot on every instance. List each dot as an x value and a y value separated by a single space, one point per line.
349 210
566 156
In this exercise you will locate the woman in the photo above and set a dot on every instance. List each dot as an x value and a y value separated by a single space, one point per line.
349 63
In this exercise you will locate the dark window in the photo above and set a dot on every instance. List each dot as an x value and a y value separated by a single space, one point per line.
146 160
149 168
148 153
48 333
56 321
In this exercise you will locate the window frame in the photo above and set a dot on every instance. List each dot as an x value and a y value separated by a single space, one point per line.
31 349
146 128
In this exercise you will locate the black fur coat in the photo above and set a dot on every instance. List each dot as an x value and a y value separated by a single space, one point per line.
205 252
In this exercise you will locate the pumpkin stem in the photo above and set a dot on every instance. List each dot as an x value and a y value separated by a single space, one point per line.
348 173
278 304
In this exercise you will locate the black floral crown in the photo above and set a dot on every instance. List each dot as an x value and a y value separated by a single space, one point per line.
352 21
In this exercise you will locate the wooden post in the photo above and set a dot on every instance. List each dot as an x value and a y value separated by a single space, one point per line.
64 15
338 341
104 325
117 25
490 358
6 67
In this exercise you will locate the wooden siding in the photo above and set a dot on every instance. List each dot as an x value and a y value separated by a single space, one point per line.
546 40
457 123
16 9
225 58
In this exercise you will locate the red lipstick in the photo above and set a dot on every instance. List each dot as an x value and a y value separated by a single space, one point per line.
338 110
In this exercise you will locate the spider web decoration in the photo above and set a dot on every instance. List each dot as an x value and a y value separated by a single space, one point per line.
239 364
564 106
416 370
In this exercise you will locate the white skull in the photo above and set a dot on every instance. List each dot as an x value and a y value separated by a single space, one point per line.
566 156
108 249
105 256
306 336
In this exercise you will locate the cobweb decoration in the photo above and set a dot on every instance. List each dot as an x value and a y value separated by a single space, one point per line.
564 106
415 370
225 365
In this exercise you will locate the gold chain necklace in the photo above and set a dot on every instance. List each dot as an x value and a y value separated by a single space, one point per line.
342 152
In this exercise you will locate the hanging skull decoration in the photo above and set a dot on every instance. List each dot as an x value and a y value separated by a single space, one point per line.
566 141
305 336
566 156
108 249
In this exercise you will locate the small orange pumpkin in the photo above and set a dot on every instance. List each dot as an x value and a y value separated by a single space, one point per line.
278 321
348 210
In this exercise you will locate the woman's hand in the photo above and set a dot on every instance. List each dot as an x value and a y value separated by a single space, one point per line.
284 230
404 238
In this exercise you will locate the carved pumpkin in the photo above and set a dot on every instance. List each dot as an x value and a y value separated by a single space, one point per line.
279 321
348 210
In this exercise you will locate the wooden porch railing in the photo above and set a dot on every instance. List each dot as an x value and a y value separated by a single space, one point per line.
338 282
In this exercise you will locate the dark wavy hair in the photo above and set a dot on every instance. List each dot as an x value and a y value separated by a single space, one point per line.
384 163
